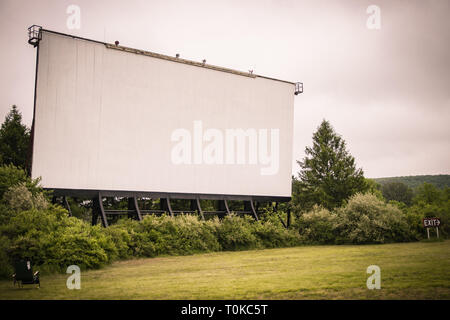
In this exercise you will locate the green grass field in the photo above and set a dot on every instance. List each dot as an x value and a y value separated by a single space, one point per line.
408 271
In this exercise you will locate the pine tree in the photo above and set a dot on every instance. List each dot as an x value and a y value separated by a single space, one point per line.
328 174
14 140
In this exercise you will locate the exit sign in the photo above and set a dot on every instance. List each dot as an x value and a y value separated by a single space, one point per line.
431 222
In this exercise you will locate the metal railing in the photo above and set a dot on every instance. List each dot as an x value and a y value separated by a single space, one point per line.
34 35
298 88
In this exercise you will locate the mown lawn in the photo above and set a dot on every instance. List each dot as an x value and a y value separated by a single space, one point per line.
408 271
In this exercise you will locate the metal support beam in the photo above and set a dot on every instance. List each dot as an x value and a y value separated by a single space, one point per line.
66 204
199 208
223 206
225 202
133 205
138 212
165 205
169 207
99 210
252 207
195 206
275 209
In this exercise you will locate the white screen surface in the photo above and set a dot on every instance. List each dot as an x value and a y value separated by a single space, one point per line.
106 119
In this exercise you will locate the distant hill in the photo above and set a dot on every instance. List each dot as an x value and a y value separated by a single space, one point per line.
441 180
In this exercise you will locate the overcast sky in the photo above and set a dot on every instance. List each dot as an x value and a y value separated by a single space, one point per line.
386 91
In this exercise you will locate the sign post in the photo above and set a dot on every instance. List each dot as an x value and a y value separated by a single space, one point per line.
430 223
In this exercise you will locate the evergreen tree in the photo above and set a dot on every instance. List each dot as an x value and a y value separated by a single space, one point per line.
328 174
14 140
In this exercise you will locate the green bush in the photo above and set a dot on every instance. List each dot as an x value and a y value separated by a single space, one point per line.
367 219
81 245
121 240
5 214
20 198
276 217
180 235
317 226
51 238
6 269
235 233
164 235
274 235
11 176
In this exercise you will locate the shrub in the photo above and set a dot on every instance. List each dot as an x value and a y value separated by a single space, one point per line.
19 198
367 219
278 218
121 239
165 235
12 176
235 233
274 235
79 244
50 238
180 235
317 226
5 214
414 220
6 269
